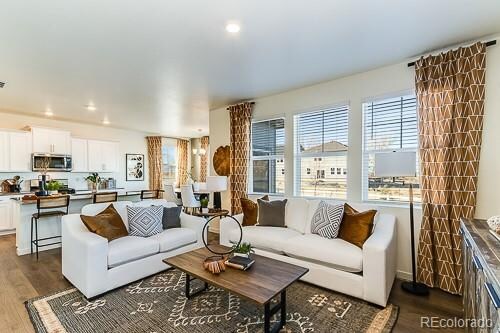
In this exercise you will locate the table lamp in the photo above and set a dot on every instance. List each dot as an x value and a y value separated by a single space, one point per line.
217 184
403 164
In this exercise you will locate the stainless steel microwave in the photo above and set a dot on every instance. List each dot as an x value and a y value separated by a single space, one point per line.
51 162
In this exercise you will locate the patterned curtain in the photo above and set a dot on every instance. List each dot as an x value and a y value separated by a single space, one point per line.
450 91
204 160
155 162
182 162
240 116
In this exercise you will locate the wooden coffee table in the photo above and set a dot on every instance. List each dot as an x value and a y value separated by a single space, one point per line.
260 283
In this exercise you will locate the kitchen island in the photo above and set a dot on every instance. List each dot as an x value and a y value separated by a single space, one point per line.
51 226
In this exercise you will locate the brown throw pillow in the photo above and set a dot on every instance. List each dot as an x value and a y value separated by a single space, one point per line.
250 210
272 213
107 224
356 226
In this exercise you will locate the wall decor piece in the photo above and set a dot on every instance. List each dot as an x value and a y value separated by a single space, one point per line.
135 167
222 160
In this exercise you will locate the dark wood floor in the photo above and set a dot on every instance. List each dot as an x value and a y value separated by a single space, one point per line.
22 278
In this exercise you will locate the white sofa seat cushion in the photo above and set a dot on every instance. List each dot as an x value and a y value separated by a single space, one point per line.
264 238
175 238
335 253
130 248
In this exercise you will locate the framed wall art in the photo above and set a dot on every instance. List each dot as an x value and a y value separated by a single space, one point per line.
135 167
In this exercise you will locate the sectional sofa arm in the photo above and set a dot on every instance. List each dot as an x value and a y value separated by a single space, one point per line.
194 223
84 256
227 225
379 260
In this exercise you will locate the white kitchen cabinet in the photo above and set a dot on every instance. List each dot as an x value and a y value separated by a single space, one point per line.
5 215
20 151
4 151
46 140
79 155
103 156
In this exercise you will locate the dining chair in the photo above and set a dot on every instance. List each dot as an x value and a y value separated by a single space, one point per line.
171 196
189 201
105 197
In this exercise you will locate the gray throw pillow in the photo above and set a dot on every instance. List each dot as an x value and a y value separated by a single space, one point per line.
171 217
272 213
145 221
326 220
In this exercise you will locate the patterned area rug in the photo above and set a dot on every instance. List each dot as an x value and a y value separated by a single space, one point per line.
157 304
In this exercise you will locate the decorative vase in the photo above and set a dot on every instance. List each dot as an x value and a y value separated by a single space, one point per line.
204 210
53 192
246 255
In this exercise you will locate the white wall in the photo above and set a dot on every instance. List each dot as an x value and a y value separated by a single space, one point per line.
130 142
354 90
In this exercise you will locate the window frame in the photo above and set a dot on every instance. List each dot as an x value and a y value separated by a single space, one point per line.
297 155
275 157
365 153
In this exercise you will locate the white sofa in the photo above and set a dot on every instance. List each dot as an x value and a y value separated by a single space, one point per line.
335 264
95 266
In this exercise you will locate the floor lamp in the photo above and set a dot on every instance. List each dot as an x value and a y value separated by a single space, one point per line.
403 164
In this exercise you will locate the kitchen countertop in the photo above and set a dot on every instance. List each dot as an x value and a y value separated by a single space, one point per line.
79 195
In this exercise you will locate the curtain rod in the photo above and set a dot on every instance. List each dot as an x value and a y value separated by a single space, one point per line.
243 102
490 43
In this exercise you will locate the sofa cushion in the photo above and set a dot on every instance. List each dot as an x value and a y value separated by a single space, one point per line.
272 213
250 210
171 217
311 210
107 224
130 248
145 221
120 206
264 238
174 238
296 214
326 220
335 253
356 226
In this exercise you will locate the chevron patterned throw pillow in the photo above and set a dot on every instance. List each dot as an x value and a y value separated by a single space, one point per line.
145 221
326 220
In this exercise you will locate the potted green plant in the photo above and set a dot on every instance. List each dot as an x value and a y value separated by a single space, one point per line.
204 205
243 250
53 187
94 180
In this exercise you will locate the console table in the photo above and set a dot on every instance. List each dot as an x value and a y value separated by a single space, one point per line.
481 265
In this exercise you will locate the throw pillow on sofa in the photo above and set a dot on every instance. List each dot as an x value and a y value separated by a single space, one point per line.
356 226
145 221
272 213
250 210
107 224
327 219
171 217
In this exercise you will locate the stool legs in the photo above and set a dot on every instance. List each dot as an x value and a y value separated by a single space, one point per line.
31 242
36 236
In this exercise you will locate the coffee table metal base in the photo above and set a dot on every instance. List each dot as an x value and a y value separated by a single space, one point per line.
268 310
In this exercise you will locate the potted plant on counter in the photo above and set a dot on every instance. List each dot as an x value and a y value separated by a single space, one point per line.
94 180
204 205
243 250
53 187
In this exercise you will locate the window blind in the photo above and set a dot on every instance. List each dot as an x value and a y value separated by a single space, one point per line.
268 137
389 125
321 144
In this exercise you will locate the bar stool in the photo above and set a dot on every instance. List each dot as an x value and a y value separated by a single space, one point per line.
151 194
105 197
46 203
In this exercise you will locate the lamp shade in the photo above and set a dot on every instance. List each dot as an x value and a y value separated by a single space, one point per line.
216 183
396 164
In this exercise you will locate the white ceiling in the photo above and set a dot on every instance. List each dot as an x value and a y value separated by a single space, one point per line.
160 65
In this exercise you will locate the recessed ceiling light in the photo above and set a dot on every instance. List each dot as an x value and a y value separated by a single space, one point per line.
91 107
105 121
49 113
233 28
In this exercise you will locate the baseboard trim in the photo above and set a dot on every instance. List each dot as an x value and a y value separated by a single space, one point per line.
22 252
7 232
407 276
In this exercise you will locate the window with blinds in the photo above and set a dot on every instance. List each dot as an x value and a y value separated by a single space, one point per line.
267 167
389 125
169 159
321 145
